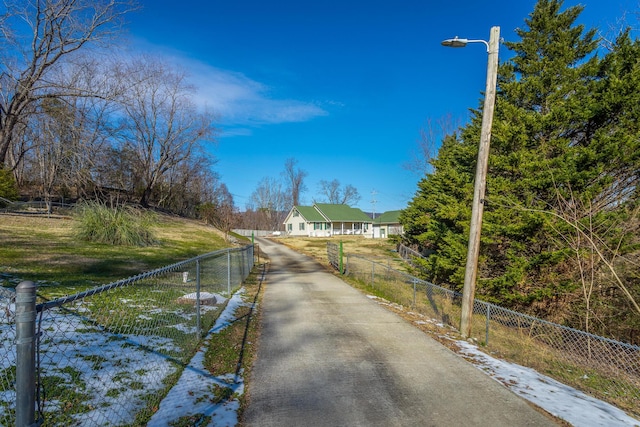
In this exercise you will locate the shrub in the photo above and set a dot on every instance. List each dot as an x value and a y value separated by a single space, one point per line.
121 226
8 186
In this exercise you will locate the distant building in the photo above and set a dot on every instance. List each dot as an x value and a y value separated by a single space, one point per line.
387 224
324 220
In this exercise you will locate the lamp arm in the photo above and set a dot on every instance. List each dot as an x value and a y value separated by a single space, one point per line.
486 43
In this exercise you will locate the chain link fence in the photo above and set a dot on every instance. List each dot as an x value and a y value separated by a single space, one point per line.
107 356
607 369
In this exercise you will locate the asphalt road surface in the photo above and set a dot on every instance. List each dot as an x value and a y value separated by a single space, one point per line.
330 356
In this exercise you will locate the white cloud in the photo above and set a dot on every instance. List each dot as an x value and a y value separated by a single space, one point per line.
236 99
239 100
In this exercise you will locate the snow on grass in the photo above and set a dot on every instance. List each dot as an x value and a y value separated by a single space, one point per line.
556 398
195 393
114 373
106 377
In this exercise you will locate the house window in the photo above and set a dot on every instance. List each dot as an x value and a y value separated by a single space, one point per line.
289 227
301 226
296 213
317 226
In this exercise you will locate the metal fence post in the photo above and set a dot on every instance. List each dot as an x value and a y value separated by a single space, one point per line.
486 339
255 255
198 302
243 255
25 353
415 283
229 272
346 269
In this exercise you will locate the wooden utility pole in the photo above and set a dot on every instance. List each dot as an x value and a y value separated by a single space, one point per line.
471 269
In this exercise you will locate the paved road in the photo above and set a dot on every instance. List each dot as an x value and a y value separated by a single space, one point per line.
329 356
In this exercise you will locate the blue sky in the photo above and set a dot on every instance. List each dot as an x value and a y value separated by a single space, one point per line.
344 87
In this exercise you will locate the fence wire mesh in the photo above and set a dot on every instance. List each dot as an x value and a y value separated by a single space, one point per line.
604 368
106 356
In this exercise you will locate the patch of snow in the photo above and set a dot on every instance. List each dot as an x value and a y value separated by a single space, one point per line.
193 394
558 399
205 295
107 365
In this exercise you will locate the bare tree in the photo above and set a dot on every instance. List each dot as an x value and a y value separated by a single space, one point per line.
270 201
330 191
55 136
161 126
93 124
628 20
596 244
431 136
350 195
188 185
36 37
63 136
294 178
334 193
221 211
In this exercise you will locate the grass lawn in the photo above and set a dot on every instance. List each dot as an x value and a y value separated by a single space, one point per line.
45 249
316 247
103 339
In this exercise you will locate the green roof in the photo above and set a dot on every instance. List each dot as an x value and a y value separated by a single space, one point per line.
310 213
389 217
342 213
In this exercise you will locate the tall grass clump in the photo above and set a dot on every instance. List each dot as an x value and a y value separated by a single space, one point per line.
120 225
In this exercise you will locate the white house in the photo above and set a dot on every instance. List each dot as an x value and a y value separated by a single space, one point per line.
323 220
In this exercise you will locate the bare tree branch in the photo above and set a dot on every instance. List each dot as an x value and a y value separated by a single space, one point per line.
54 30
333 193
162 126
295 180
431 136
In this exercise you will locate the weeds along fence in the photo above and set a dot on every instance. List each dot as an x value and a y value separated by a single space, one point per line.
107 356
604 368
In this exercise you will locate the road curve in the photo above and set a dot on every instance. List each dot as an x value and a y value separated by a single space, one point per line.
330 356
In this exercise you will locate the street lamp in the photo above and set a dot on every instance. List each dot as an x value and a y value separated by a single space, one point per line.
471 269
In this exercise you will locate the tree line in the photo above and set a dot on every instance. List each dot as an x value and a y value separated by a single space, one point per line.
78 121
560 234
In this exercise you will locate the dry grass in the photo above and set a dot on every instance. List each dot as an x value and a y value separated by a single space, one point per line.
316 247
45 249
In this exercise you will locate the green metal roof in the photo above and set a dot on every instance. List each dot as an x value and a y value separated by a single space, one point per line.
310 214
342 213
389 217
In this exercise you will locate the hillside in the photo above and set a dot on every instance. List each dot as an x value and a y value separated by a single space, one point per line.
45 249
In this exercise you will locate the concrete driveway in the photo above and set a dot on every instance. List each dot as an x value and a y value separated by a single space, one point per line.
330 356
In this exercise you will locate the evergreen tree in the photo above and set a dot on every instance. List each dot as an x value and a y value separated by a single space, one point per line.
437 219
564 157
541 128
